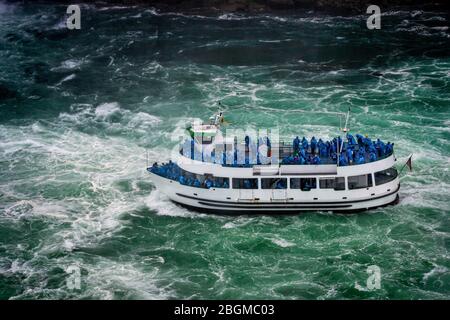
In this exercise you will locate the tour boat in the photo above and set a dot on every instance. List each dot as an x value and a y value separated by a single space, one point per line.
214 173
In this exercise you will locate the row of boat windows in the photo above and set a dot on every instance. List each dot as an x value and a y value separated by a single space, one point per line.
173 172
304 184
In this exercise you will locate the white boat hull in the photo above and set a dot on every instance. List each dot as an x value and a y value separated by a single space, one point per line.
239 201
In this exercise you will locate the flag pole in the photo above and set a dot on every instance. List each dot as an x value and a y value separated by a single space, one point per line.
409 159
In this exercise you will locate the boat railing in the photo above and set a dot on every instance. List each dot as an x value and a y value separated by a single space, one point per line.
287 156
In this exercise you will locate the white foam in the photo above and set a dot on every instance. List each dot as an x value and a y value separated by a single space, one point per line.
106 110
69 77
70 64
437 270
282 243
160 203
143 120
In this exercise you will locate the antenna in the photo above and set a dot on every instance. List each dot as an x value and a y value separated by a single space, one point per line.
345 129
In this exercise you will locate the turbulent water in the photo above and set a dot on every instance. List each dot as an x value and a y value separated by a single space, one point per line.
79 111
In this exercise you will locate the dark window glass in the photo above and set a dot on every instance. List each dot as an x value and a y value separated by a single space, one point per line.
385 176
273 183
219 182
339 183
250 183
295 183
332 183
326 183
305 184
359 182
202 181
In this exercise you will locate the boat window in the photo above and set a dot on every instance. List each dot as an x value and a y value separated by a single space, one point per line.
250 183
305 184
206 181
219 182
339 183
273 183
332 183
358 182
326 183
385 176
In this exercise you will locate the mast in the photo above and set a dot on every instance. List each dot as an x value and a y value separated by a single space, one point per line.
345 129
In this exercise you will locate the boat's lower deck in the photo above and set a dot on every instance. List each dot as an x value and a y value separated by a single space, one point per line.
241 201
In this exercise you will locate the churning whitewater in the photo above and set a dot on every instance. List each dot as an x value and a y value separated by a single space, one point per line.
80 111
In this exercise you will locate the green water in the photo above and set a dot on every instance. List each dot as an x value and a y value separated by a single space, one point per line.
83 108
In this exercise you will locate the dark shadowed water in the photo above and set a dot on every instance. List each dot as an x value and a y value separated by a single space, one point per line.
79 109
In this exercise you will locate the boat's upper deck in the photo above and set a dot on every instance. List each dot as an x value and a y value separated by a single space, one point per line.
351 151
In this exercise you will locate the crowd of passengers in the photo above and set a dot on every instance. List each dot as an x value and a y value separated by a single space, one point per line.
355 151
172 171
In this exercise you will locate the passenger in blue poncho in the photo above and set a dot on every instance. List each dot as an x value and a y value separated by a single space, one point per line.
333 147
359 138
304 143
334 156
372 148
342 160
351 139
366 141
208 183
225 184
296 145
197 183
389 148
303 153
217 184
360 159
350 155
323 151
372 157
381 147
316 160
279 185
322 148
313 144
